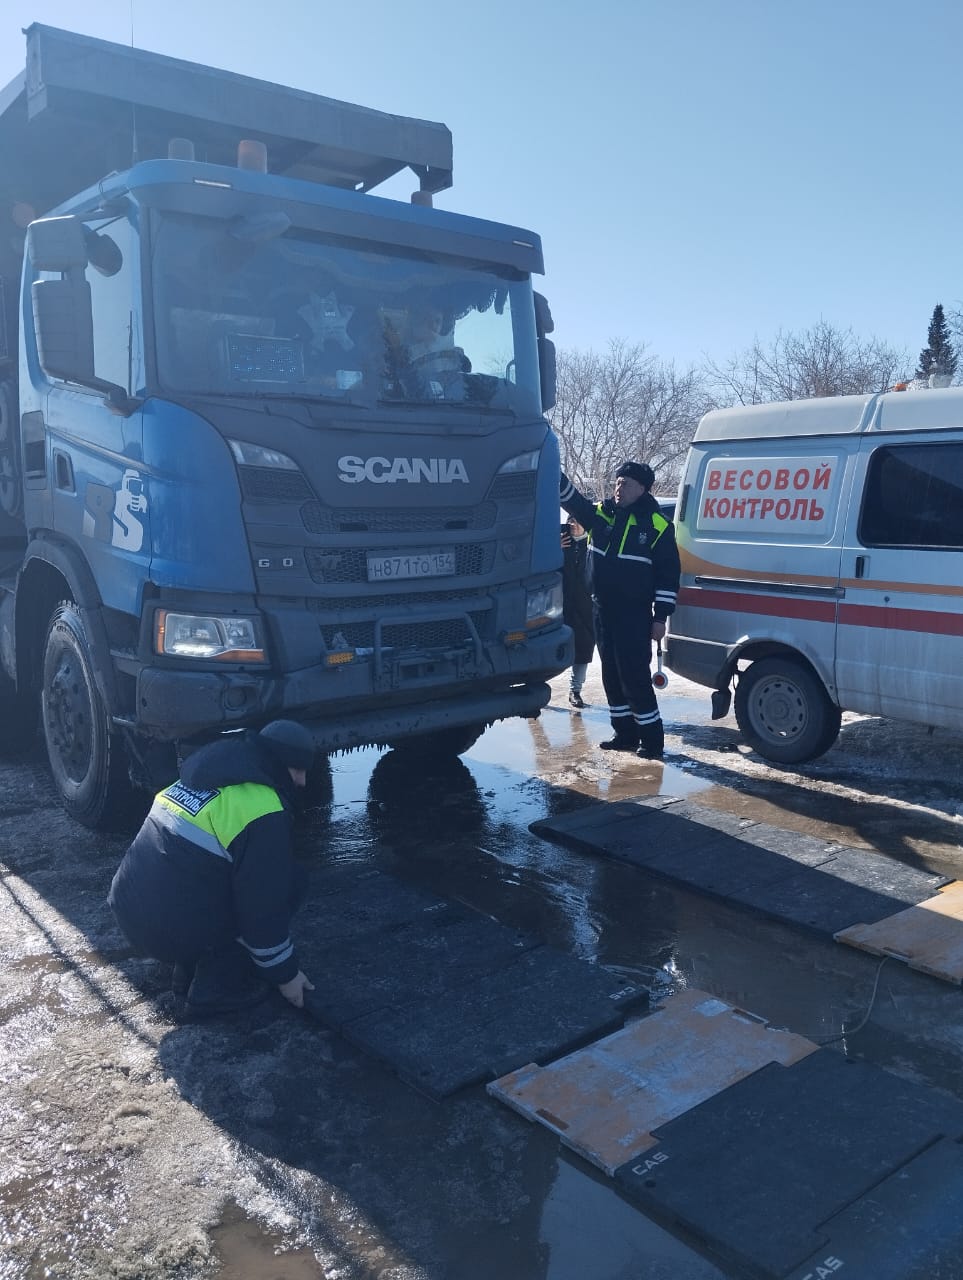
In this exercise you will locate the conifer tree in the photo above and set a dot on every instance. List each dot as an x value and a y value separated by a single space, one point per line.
939 355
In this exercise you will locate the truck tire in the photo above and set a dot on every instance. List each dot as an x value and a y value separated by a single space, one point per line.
87 759
443 744
784 712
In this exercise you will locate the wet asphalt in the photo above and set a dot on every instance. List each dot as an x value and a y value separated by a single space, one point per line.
265 1147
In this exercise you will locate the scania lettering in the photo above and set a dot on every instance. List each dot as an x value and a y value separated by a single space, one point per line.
822 565
410 470
270 444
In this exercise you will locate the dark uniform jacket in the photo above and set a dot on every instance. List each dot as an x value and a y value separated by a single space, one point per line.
634 556
577 597
212 863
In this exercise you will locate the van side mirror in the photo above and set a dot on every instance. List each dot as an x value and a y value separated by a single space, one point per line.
57 244
547 373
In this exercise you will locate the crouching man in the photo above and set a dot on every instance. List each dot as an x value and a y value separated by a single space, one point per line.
209 883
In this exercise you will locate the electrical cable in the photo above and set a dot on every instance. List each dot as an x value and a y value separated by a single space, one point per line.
851 1031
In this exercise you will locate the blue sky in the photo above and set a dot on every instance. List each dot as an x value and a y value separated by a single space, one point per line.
700 172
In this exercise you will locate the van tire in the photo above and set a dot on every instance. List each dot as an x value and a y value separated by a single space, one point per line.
784 712
87 757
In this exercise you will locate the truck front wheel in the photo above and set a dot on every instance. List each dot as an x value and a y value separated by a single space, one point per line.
784 712
87 760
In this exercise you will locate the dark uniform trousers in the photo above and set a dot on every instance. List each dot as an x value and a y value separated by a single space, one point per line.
623 633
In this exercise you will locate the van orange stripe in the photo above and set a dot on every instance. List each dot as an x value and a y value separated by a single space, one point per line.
750 602
885 617
929 622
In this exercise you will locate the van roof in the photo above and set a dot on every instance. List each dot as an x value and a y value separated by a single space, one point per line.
928 410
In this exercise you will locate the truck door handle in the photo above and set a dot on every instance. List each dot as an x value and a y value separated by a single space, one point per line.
862 564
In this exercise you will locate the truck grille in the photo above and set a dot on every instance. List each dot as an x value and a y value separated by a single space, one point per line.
318 518
403 600
471 560
447 634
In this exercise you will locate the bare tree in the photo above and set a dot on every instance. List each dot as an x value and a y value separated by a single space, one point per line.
820 361
624 404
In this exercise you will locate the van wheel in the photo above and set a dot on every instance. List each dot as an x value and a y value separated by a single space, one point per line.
443 744
87 759
784 712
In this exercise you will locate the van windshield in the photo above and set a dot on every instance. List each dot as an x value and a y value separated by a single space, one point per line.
307 315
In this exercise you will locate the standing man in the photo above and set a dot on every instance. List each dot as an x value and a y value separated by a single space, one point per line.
635 579
577 604
209 883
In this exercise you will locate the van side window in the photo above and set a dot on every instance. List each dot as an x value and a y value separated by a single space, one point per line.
914 497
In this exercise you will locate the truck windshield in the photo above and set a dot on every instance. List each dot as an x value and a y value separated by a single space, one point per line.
307 315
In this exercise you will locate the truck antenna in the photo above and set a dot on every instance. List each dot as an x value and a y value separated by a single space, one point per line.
133 105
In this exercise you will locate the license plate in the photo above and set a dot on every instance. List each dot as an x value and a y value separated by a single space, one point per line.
411 564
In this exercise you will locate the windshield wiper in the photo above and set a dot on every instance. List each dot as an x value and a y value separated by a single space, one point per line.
472 406
300 397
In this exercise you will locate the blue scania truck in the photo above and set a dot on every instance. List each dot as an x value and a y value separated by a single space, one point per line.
270 445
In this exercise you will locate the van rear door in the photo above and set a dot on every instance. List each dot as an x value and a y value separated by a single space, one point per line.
900 635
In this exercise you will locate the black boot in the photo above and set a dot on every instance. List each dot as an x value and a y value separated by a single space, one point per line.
575 699
223 982
653 742
619 743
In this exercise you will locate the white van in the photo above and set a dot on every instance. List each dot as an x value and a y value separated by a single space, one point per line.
822 565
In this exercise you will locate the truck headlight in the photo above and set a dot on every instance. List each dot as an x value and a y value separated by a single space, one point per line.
544 605
191 635
521 462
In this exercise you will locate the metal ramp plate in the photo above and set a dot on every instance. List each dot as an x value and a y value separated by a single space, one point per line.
907 1228
927 937
542 1004
793 878
605 1100
773 1174
445 996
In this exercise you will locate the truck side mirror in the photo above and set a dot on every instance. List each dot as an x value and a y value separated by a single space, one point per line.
63 323
62 314
546 372
57 244
543 316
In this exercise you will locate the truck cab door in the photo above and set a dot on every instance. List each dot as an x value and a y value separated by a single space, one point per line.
97 487
900 641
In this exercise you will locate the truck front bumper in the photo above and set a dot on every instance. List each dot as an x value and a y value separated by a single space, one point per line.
193 704
341 706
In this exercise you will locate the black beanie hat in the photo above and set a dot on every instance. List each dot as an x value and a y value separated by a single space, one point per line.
640 472
289 742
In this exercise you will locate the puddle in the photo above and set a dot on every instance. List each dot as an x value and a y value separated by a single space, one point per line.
245 1250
